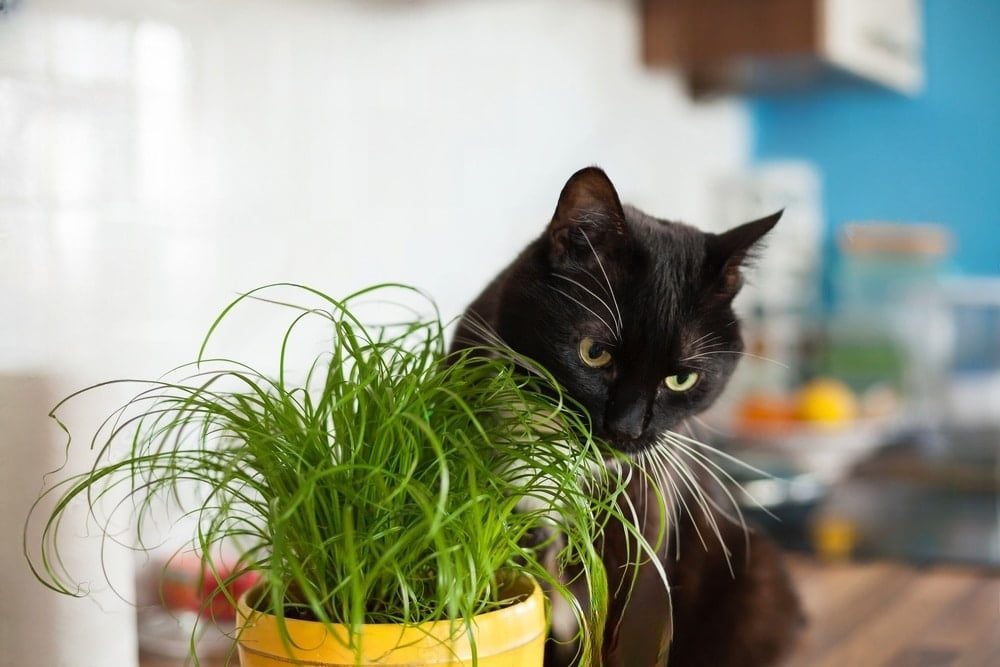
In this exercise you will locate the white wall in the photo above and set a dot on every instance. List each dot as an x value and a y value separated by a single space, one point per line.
157 157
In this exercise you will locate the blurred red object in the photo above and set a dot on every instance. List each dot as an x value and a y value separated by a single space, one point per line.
189 584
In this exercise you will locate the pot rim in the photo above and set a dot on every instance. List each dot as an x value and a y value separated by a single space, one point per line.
244 612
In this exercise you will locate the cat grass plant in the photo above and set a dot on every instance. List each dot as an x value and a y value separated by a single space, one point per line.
384 482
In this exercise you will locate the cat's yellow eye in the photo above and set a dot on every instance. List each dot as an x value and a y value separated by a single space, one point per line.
682 381
593 354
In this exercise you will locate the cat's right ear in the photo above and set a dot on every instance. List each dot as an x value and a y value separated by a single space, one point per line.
728 254
589 221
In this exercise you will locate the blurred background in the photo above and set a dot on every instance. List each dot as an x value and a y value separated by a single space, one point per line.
159 156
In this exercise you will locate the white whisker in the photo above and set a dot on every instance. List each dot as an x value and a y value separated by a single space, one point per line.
672 492
744 354
707 347
663 509
588 308
701 460
662 465
600 264
654 557
703 501
640 463
493 340
698 340
729 477
719 452
709 427
618 324
628 549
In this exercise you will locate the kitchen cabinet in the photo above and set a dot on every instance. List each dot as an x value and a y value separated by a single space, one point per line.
765 45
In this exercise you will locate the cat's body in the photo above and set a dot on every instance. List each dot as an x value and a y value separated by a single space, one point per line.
633 316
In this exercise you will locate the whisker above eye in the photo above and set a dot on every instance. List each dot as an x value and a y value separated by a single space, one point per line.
705 347
745 354
618 324
711 335
589 309
698 340
600 264
489 336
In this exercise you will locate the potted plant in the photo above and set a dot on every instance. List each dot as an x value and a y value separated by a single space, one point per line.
392 499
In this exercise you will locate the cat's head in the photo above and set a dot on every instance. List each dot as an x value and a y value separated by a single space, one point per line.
633 315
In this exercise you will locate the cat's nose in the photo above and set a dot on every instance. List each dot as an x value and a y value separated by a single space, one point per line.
626 421
624 431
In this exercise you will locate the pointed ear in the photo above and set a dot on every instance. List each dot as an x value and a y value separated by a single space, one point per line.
730 252
589 218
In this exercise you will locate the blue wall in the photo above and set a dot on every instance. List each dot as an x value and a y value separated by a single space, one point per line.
933 158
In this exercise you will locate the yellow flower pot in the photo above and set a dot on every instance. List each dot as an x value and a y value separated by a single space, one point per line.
510 637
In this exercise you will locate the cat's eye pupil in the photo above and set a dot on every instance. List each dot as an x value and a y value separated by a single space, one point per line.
682 378
595 351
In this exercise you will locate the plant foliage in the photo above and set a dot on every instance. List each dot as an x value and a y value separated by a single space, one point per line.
388 482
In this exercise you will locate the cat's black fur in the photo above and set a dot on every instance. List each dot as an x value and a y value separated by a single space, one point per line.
657 295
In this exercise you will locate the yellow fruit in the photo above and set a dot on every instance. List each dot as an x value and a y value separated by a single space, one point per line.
827 401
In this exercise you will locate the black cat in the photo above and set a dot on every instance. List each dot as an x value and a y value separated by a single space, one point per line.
633 316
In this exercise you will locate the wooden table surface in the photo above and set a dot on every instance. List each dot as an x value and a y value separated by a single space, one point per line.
893 615
884 615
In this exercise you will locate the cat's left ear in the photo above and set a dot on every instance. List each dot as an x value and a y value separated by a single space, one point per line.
589 221
729 253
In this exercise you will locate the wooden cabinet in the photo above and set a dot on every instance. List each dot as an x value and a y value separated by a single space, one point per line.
756 45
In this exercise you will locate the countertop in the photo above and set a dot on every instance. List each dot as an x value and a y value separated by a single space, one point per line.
883 614
893 615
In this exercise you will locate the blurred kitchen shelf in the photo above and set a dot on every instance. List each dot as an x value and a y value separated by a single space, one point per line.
827 453
952 473
896 519
915 502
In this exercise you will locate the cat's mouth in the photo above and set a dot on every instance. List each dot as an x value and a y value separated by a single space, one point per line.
630 446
